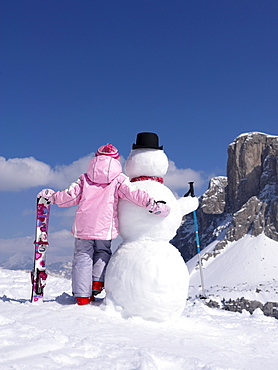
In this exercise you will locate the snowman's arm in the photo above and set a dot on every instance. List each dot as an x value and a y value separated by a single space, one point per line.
188 204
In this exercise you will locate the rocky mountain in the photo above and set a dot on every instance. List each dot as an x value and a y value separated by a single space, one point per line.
243 202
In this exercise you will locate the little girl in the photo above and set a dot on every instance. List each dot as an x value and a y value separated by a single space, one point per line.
97 194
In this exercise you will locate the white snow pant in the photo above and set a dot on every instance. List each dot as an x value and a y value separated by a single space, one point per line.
89 264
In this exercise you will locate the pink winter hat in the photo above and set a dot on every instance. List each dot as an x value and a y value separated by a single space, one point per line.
109 150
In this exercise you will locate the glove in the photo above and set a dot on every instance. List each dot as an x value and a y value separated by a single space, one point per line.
46 193
158 208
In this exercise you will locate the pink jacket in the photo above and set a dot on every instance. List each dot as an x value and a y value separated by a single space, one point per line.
97 194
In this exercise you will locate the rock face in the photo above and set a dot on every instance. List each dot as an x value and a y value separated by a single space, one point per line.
246 201
252 169
240 304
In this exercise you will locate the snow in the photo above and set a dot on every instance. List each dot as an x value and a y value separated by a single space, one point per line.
245 268
146 162
249 135
58 334
147 276
146 322
153 286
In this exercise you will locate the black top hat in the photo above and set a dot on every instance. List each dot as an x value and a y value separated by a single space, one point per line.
146 140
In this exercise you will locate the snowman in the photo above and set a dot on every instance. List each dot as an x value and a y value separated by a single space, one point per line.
147 276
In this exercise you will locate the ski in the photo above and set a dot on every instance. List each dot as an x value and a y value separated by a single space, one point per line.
39 275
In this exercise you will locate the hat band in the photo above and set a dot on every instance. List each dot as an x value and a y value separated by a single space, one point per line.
139 146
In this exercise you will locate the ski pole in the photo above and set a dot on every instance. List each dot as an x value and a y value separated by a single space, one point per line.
191 192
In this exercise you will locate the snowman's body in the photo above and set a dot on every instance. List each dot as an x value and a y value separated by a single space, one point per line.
147 276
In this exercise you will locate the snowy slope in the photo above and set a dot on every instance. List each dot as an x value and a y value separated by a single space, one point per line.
246 268
58 334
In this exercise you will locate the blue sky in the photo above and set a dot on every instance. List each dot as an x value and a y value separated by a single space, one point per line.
75 75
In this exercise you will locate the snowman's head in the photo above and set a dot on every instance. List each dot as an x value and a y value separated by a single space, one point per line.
146 162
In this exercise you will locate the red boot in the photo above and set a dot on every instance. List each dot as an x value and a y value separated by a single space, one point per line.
81 301
97 287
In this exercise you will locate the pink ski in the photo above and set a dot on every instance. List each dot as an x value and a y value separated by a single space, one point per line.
39 275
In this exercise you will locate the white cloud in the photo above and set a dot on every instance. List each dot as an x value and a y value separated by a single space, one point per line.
60 249
23 173
9 247
178 178
60 246
62 176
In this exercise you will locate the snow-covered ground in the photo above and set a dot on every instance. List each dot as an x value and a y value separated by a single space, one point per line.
58 334
245 268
